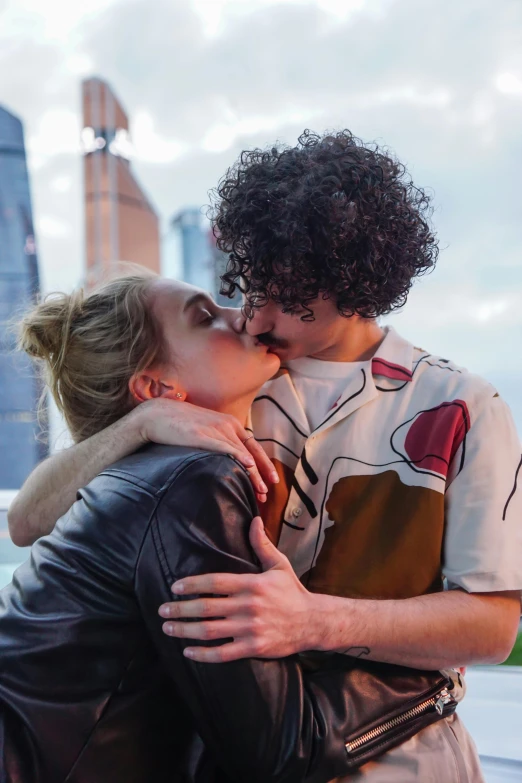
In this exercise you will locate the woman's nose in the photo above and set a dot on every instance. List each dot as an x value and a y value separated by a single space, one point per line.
238 321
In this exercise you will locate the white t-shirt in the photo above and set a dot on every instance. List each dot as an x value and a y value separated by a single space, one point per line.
320 384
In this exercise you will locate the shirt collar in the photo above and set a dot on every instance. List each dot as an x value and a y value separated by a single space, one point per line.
394 357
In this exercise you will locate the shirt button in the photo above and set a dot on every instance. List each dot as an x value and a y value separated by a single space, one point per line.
297 512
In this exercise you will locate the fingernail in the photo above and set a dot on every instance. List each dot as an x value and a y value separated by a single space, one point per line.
188 653
249 461
263 488
274 477
164 610
168 628
178 587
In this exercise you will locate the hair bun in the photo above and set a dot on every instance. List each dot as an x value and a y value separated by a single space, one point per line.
44 331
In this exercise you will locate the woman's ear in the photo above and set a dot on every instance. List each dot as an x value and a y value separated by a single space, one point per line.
145 387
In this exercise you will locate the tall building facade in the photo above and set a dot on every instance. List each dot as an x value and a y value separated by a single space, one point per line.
219 264
191 254
20 448
121 225
196 257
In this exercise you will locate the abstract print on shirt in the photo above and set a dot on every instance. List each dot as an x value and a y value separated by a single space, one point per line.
406 481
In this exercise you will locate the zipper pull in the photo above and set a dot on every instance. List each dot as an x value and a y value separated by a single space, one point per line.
443 699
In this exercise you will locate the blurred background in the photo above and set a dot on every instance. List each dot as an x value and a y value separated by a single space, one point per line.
117 118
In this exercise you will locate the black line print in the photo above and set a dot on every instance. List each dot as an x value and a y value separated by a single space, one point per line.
391 366
310 507
273 440
310 473
422 360
513 490
410 463
289 524
326 493
336 411
292 422
406 383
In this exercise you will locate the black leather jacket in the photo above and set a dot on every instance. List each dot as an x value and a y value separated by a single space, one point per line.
92 691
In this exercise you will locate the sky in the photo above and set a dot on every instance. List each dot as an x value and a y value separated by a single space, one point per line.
439 82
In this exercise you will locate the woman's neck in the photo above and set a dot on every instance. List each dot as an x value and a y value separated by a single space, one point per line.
239 409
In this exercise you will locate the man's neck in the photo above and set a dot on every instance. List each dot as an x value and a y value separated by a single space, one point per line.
357 341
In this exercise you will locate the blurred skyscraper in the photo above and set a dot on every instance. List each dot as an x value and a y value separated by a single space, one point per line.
191 229
190 254
20 389
121 225
219 263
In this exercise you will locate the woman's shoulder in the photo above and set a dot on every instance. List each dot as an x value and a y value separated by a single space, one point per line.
159 468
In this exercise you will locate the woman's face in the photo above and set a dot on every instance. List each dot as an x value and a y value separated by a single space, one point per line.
213 362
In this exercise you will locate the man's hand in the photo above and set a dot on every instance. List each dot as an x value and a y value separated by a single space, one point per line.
268 615
182 424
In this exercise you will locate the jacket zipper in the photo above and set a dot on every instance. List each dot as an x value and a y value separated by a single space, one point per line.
438 701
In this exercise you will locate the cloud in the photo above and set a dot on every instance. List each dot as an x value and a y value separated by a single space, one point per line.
437 81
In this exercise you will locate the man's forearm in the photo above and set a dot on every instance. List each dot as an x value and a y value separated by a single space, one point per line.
435 631
51 488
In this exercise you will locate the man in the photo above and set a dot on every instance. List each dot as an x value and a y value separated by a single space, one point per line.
397 469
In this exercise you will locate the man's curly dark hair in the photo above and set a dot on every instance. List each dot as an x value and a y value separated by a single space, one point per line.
331 216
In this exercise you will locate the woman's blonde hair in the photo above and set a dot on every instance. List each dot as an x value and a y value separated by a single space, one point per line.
90 345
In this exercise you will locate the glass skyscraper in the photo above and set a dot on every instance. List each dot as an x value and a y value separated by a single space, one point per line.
20 450
190 254
197 267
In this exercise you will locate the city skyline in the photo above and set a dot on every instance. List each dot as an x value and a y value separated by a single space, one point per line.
201 86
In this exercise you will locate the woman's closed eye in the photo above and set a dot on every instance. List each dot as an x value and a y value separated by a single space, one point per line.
205 316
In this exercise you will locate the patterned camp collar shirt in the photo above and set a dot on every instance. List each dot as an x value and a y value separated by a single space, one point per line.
410 479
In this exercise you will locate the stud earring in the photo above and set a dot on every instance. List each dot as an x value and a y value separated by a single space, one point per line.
179 395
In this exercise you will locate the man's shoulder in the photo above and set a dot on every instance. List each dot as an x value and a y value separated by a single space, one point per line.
432 373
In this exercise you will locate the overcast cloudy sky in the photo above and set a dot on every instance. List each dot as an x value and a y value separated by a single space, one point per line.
438 81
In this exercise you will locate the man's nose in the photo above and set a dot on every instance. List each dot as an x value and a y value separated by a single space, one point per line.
257 323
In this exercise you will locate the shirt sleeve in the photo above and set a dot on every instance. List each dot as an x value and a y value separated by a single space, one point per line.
483 504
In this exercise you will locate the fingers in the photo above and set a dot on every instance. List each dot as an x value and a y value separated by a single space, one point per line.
214 629
200 607
216 584
269 556
235 449
231 651
253 471
263 462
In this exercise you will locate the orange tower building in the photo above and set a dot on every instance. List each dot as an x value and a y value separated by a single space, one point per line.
121 225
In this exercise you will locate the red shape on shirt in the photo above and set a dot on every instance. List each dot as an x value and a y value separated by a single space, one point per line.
435 436
390 370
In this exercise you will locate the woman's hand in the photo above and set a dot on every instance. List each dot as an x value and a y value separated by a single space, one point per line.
183 424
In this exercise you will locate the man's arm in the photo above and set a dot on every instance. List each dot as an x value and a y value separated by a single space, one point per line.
264 721
475 623
272 614
51 488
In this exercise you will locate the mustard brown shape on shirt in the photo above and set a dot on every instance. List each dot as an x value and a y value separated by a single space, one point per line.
386 540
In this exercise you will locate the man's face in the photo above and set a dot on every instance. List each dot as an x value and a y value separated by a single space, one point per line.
291 338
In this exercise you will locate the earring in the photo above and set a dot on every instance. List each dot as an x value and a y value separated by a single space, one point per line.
179 395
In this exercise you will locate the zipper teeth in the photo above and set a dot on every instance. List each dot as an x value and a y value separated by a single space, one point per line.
393 722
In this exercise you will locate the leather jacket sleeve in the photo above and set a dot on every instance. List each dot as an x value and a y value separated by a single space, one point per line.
264 720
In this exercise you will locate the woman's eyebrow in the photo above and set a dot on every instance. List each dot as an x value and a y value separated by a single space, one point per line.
201 296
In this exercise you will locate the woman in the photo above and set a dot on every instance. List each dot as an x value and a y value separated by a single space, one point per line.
90 687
